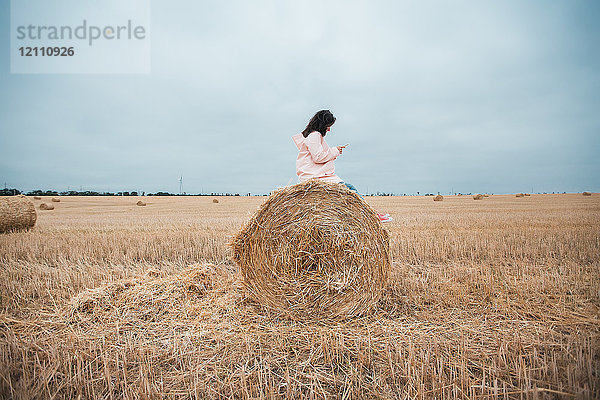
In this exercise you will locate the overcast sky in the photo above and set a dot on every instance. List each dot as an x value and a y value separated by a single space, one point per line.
432 96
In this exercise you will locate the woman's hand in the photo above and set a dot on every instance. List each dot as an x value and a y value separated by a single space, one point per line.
341 148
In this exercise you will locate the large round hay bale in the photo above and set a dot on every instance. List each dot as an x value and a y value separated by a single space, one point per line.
45 206
215 201
37 198
314 251
478 197
519 195
439 197
587 193
16 213
55 200
140 203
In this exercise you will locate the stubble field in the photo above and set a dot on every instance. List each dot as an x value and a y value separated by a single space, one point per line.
497 298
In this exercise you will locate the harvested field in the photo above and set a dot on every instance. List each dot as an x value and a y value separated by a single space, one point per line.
487 299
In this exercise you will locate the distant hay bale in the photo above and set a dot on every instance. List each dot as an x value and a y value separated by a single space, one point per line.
45 206
486 195
439 197
478 197
519 195
314 251
16 213
215 201
140 203
37 198
55 200
526 194
587 193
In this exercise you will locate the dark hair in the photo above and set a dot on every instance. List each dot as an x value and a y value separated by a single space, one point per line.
319 122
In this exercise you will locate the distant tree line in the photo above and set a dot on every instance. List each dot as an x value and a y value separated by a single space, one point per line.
14 192
382 194
10 192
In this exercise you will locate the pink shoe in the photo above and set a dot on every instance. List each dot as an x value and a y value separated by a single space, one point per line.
384 217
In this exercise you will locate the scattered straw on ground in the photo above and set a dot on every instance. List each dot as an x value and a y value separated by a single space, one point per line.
196 334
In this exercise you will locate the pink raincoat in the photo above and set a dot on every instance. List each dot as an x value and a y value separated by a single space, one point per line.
315 158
